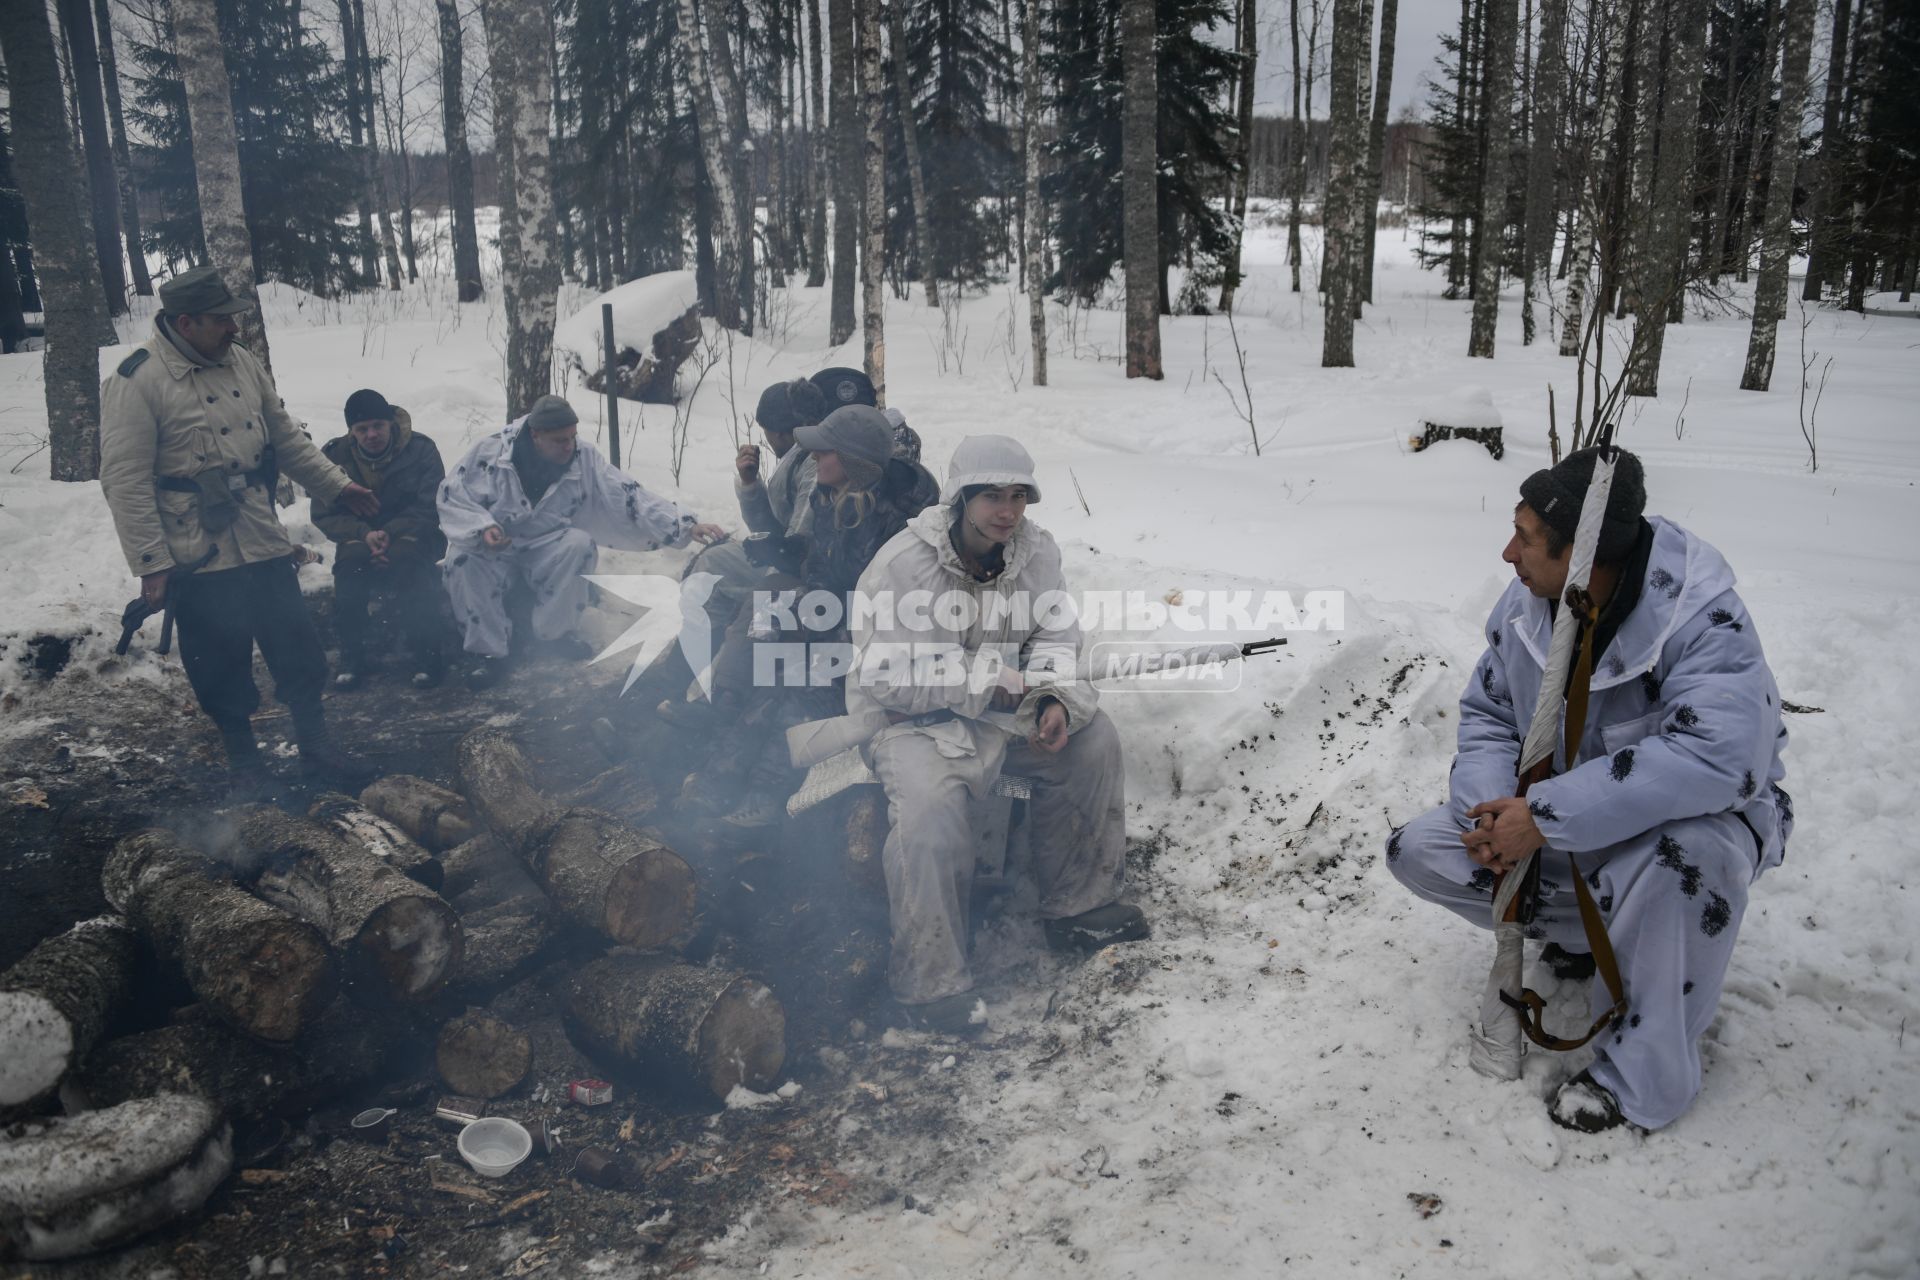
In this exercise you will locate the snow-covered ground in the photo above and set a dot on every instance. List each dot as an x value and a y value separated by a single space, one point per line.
1263 1086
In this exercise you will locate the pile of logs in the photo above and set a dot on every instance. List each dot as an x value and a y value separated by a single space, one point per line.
317 946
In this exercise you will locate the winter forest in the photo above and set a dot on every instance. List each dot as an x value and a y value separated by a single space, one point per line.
1283 298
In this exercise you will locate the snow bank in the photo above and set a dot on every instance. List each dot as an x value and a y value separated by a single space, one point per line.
641 308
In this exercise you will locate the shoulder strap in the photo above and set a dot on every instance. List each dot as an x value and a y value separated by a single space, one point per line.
127 367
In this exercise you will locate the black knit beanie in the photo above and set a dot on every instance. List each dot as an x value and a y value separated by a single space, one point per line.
1557 494
775 411
364 406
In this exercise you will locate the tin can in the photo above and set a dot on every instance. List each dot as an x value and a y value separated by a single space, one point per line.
590 1093
602 1168
372 1124
459 1112
546 1139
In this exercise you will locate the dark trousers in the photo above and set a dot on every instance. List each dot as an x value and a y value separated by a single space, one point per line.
221 616
412 589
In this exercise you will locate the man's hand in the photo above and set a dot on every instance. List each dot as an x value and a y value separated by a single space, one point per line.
378 541
747 463
361 500
1011 689
1051 733
153 588
708 534
495 538
1503 834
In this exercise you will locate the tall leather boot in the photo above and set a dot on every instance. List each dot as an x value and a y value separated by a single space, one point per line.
321 758
249 781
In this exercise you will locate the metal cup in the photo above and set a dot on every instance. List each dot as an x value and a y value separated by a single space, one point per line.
373 1124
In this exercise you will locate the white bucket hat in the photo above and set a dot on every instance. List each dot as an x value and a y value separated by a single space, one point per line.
989 460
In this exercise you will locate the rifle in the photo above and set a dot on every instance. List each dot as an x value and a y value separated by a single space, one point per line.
135 615
829 749
1495 1049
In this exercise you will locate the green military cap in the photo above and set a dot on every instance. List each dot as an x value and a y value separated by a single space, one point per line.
200 292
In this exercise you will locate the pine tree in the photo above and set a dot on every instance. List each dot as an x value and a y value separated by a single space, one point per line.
103 183
1452 162
1490 226
122 156
1034 252
958 66
1661 257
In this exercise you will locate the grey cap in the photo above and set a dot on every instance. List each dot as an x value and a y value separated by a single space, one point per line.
857 430
549 413
200 291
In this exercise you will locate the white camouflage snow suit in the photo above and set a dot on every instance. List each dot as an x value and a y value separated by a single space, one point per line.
1671 810
935 773
554 541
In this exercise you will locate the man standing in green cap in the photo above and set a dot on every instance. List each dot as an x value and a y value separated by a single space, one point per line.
193 435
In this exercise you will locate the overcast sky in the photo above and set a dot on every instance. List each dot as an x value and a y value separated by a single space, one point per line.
1416 44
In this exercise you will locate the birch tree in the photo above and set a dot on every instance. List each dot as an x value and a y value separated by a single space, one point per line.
1140 189
1343 183
818 152
1490 225
529 265
1543 148
873 320
1776 243
1247 46
50 179
216 163
725 214
1377 142
360 77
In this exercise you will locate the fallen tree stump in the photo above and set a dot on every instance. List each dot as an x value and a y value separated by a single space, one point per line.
259 968
397 940
479 1056
55 1003
676 1027
436 817
599 871
74 1185
382 837
247 1078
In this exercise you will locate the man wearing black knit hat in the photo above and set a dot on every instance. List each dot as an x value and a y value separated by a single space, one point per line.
1669 808
392 553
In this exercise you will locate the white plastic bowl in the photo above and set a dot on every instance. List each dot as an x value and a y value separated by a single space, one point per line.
494 1146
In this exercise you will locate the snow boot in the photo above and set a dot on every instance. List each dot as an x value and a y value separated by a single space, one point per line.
484 672
429 668
1584 1106
1567 966
354 668
249 781
955 1015
1101 927
321 758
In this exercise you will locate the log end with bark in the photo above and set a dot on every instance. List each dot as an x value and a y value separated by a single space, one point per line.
677 1028
259 968
480 1056
74 1185
57 1001
434 816
382 837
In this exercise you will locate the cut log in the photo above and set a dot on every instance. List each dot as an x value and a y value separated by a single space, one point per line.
866 835
250 1079
74 1185
599 871
55 1003
479 1056
473 863
436 817
626 791
502 942
382 837
677 1028
259 968
397 940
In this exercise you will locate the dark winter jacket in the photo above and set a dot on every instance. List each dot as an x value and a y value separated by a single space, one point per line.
835 558
406 481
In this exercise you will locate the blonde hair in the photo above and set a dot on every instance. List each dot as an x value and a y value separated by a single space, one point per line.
854 502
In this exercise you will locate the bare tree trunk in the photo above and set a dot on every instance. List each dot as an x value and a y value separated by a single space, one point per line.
873 320
916 174
1247 50
728 82
1297 173
1827 171
216 163
1543 149
1599 168
122 159
76 19
1377 143
517 45
819 152
846 173
1140 188
725 209
453 125
1758 163
360 67
1036 217
1490 225
1776 246
363 197
1344 183
1663 267
49 176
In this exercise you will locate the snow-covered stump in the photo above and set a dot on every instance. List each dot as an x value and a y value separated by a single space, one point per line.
1468 414
260 969
434 816
55 1003
379 836
480 1056
75 1185
656 328
599 871
249 1079
397 940
677 1028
